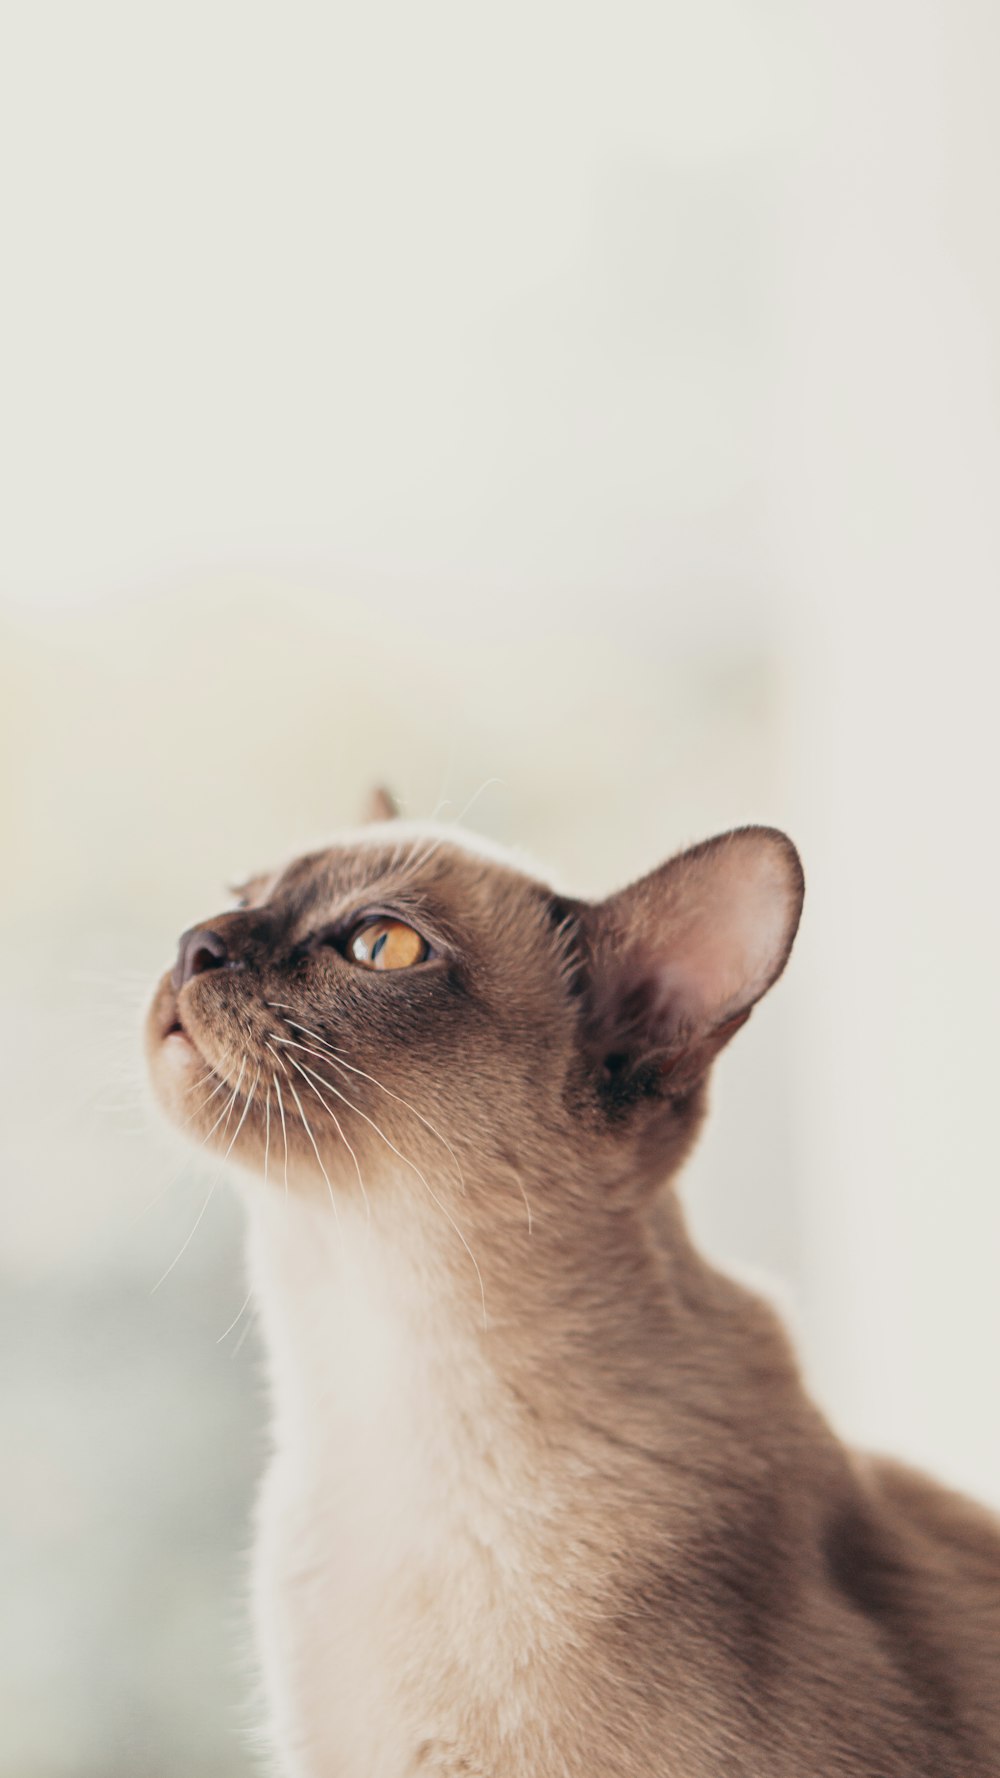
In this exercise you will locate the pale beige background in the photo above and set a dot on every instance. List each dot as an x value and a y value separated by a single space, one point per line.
589 411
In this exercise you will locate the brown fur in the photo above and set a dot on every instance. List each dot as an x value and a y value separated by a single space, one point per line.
705 1582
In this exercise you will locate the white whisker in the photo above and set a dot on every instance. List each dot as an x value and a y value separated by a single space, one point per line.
524 1195
474 798
196 1225
267 1150
284 1132
308 1130
206 1101
227 1114
407 1163
337 1057
305 1073
176 1174
237 1317
243 1114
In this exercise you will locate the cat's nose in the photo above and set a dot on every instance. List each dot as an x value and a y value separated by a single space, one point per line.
200 948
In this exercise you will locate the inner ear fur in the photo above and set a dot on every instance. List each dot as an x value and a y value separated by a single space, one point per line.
679 959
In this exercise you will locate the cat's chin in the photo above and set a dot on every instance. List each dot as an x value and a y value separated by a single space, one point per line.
178 1048
174 1057
166 1031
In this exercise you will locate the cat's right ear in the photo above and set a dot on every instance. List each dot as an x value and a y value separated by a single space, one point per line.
381 805
678 960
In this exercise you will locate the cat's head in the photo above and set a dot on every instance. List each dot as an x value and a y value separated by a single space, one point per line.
410 998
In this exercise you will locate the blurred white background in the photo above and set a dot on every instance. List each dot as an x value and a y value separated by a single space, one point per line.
593 411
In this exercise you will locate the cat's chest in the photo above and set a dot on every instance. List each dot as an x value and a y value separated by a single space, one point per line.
402 1535
388 1622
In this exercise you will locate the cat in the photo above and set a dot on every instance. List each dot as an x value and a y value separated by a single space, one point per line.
547 1497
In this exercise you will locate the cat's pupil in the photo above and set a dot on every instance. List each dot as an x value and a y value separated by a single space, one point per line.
377 946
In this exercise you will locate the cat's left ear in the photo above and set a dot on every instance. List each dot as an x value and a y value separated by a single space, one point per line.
679 959
381 805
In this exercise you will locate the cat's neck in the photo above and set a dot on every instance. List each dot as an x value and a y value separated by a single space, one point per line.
406 1423
367 1309
362 1311
439 1475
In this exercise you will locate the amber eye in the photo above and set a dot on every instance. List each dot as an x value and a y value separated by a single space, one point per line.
386 944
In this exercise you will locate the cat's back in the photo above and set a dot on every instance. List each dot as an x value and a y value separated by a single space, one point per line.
948 1527
912 1571
949 1584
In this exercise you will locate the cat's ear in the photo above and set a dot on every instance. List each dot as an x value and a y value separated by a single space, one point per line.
381 805
679 959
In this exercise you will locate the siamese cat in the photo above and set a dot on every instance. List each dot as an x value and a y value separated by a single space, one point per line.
547 1497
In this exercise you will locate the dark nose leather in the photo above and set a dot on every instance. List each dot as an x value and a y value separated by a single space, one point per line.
200 948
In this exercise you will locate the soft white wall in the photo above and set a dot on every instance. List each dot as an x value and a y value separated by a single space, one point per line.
476 298
886 498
